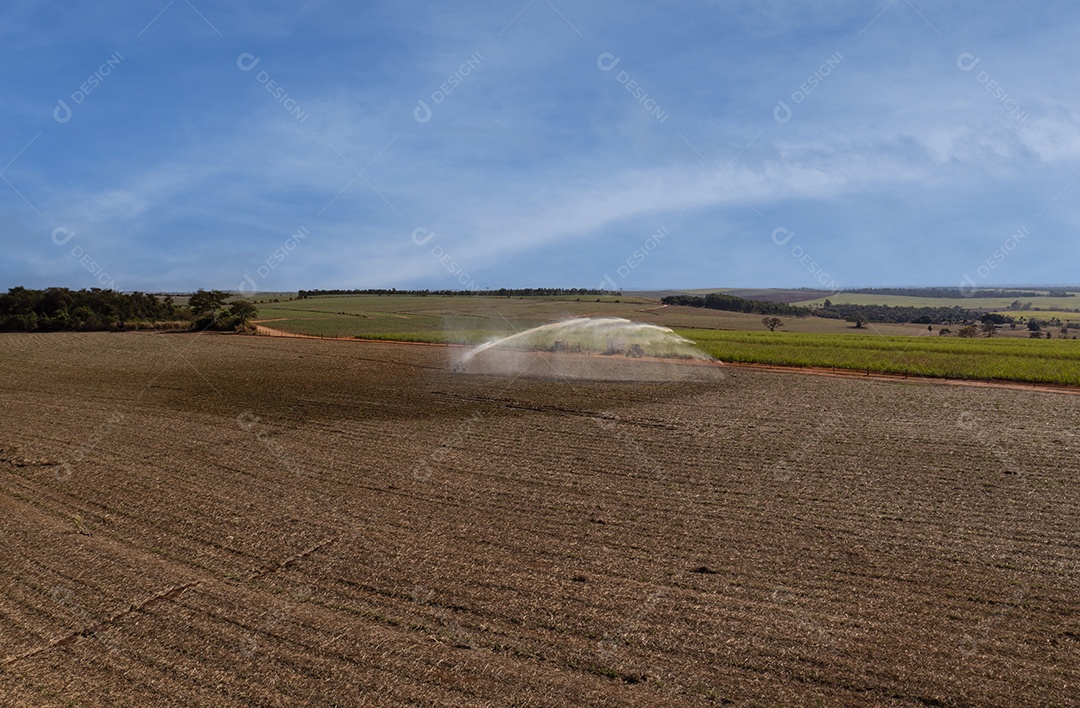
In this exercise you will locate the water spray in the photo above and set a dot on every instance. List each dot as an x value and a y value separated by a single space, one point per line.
612 335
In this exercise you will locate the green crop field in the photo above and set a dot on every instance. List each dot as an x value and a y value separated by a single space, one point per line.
1042 361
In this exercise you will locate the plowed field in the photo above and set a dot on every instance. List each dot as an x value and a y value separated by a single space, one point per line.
227 520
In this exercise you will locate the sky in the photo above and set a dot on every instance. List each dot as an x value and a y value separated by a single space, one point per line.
273 146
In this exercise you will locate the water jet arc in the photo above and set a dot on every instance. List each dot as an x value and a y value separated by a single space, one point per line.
599 335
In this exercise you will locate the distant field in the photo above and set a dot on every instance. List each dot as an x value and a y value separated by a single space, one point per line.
730 336
801 296
980 303
440 318
1063 315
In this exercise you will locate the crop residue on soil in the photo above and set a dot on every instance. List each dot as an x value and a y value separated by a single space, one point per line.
272 521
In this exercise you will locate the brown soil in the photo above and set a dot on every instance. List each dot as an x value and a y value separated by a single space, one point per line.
227 520
880 376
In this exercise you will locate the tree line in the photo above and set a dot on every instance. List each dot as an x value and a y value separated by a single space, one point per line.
899 314
730 303
852 313
501 292
61 309
953 292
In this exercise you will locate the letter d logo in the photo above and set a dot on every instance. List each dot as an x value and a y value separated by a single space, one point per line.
782 113
61 114
967 286
422 113
421 236
607 61
780 236
967 61
60 236
247 286
247 61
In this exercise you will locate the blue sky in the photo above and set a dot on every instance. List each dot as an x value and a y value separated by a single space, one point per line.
274 146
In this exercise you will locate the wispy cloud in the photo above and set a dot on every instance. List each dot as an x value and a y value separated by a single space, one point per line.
934 129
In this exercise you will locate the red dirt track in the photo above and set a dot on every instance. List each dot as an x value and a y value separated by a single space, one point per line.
227 520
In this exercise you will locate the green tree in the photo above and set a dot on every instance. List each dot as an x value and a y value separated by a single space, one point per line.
207 303
93 309
772 323
242 311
